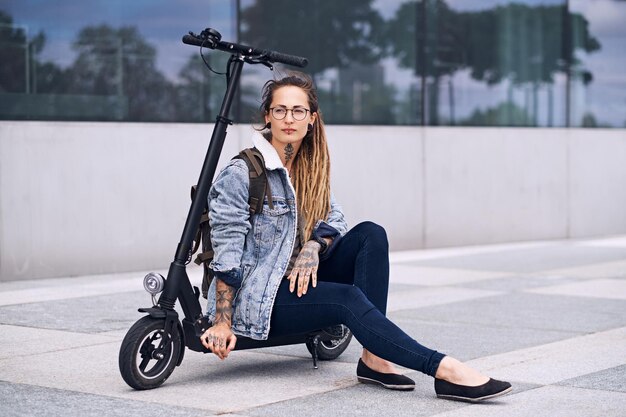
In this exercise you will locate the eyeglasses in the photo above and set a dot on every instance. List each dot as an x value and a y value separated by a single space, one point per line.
298 113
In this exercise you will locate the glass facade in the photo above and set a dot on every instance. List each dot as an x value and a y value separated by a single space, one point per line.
388 62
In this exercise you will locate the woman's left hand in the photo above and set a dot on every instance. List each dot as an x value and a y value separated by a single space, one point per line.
305 268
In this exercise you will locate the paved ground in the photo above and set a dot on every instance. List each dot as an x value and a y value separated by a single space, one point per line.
548 316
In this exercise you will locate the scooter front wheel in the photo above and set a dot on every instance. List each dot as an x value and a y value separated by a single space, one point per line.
147 358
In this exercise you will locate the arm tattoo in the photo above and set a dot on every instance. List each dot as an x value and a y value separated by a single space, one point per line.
288 152
224 303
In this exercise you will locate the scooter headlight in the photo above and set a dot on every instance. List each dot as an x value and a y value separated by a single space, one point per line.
153 283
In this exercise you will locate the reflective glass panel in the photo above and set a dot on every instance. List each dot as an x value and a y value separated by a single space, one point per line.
107 60
598 76
407 62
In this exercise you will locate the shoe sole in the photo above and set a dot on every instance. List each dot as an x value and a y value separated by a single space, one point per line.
475 400
388 386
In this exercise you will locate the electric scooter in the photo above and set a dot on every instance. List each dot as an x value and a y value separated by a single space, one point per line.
155 345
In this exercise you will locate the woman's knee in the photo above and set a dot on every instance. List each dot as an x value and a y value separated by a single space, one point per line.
372 232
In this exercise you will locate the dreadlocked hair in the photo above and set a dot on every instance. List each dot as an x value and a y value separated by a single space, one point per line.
310 172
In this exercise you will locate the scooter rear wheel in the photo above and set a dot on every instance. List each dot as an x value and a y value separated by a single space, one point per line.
145 361
331 349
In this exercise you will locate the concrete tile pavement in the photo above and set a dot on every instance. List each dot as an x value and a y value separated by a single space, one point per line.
548 316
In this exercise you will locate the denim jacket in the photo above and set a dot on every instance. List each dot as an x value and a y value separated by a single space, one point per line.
252 254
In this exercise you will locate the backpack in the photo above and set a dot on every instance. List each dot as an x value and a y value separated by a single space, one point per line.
259 188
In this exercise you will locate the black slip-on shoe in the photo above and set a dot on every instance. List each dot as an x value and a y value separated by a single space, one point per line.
490 389
397 382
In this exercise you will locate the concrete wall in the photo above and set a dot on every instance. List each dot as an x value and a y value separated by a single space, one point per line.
88 198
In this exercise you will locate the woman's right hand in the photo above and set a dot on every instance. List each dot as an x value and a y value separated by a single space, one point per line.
219 339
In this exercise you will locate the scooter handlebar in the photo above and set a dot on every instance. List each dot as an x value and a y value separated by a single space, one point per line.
269 56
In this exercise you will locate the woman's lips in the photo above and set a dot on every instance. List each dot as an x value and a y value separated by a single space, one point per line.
289 131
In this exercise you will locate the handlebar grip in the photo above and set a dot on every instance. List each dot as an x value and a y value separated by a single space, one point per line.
296 61
192 40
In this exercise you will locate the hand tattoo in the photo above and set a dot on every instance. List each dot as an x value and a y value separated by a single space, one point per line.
305 268
224 303
308 261
288 152
308 256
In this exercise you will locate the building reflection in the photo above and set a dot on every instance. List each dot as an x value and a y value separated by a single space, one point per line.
428 62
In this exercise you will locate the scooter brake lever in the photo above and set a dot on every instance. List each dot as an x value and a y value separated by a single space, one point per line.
258 60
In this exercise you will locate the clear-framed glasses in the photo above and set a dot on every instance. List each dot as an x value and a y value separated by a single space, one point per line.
298 113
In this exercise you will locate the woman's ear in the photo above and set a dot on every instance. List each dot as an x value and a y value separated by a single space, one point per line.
313 118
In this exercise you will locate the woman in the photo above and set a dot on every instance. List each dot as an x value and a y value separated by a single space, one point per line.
295 267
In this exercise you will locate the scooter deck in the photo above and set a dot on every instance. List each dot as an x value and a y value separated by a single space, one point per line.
192 340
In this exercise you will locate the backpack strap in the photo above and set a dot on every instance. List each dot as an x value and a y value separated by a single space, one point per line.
259 185
204 257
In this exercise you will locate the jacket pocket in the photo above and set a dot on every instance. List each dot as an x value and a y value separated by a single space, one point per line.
270 226
280 208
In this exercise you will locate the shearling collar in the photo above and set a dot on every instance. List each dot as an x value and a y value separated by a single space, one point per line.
272 160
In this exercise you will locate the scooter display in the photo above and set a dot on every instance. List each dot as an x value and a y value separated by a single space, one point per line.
155 345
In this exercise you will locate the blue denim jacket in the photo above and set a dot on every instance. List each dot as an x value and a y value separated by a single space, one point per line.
251 255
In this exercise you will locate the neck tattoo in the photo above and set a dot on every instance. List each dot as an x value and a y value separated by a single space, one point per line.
288 152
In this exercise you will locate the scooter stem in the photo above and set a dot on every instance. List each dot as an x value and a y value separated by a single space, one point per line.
177 284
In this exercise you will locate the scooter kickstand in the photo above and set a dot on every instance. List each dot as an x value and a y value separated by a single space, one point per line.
316 341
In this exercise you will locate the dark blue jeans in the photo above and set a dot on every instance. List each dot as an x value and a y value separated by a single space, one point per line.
352 290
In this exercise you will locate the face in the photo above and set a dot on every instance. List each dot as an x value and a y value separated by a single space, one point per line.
290 130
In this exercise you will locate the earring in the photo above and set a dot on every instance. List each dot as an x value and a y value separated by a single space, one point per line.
268 125
309 128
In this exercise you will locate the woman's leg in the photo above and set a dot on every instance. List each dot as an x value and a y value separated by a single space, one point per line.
330 303
361 258
352 290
